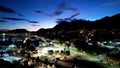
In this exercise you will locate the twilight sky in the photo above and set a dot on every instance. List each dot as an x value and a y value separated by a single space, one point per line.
35 14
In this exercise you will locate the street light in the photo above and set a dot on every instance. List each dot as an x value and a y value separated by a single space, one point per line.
3 37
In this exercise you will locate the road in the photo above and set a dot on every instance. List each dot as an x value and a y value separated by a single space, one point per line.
92 58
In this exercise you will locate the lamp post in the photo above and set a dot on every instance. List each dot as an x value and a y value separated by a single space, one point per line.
3 37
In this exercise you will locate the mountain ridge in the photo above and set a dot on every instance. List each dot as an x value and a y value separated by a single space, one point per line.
107 22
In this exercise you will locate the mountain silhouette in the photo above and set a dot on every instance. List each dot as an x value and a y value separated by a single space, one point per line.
107 22
4 30
18 31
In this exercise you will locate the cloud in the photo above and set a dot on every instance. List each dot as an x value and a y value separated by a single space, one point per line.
3 21
73 16
15 19
60 9
110 3
9 10
72 9
20 14
38 11
41 12
76 14
33 22
56 13
64 6
34 25
66 20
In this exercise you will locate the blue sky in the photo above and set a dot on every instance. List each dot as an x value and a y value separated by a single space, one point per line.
35 14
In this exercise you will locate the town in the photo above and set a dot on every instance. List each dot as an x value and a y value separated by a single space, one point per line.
59 33
30 49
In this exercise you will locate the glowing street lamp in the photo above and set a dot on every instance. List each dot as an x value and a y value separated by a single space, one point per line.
3 36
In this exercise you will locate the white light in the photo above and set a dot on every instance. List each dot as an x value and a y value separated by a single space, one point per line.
3 36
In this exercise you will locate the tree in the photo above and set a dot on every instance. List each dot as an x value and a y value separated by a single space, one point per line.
50 52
